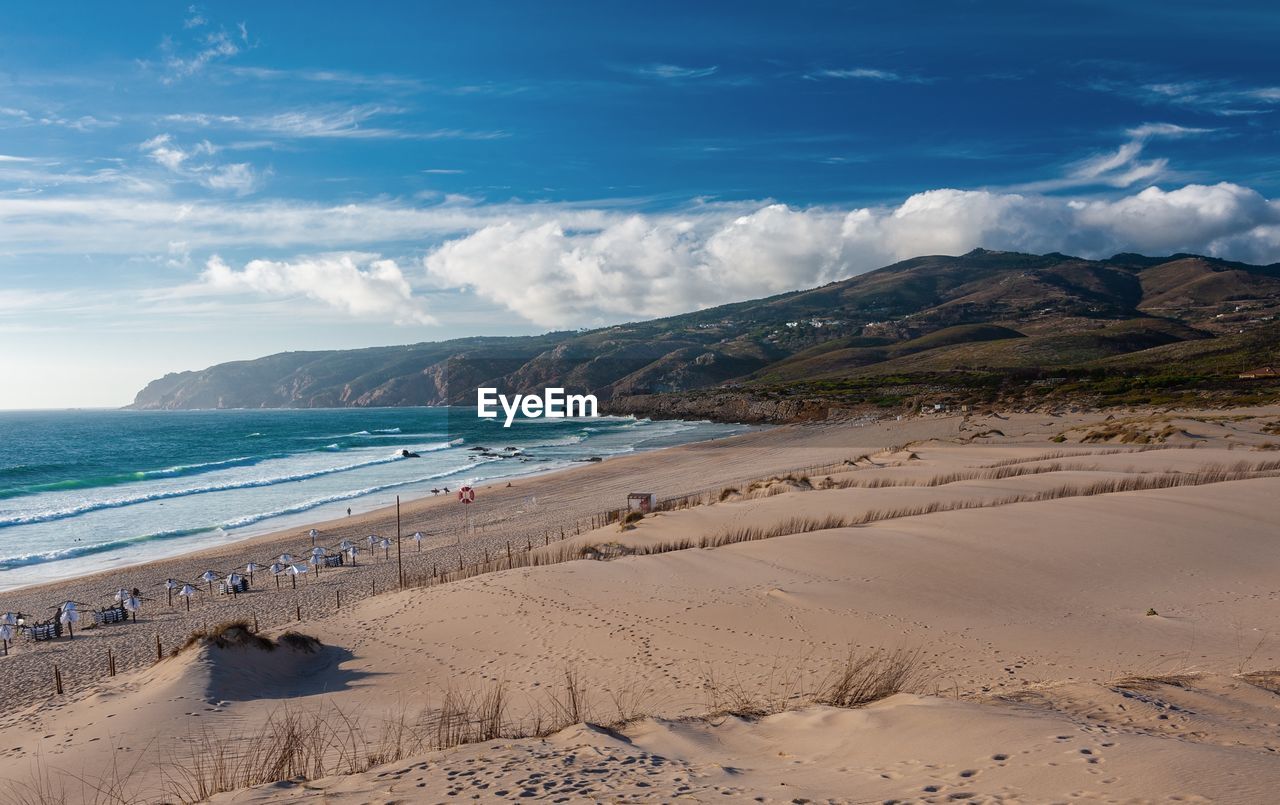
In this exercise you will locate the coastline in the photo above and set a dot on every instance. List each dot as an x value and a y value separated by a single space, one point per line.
380 519
1023 569
283 482
566 500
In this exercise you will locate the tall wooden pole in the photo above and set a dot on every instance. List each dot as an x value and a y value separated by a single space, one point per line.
399 539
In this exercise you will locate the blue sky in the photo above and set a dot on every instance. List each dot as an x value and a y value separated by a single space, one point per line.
182 185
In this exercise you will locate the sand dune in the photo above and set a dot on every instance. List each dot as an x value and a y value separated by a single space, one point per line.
1025 597
907 748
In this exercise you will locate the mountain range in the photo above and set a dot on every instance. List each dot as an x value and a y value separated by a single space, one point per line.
972 329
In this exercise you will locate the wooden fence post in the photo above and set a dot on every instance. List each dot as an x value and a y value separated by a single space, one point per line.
57 680
159 650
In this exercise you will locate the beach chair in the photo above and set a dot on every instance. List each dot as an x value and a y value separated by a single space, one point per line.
333 560
241 585
45 630
112 614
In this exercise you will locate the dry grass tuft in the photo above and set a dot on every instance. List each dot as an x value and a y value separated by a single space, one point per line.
1267 680
299 642
231 634
1147 682
861 679
874 675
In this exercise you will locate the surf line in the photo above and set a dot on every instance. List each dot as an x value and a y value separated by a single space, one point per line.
553 403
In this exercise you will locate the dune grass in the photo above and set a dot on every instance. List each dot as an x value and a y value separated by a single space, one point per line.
297 743
230 634
1208 474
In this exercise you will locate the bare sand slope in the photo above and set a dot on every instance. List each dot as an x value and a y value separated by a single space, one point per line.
1025 609
903 749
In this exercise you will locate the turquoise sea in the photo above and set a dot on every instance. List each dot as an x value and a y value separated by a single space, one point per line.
82 491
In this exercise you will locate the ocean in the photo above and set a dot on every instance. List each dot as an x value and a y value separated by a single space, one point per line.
82 491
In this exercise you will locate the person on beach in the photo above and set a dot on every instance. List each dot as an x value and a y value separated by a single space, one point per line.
348 511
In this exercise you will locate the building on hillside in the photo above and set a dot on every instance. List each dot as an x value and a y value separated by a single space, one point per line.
1260 373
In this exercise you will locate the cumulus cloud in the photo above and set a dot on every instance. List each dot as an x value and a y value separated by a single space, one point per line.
361 285
634 266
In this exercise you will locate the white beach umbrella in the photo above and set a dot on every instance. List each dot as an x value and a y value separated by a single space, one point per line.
373 540
276 569
121 594
385 545
233 582
313 534
132 604
345 545
69 616
251 568
9 619
186 592
353 551
417 538
287 558
170 585
210 577
6 636
295 571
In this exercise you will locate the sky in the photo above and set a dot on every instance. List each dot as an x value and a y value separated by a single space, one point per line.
182 185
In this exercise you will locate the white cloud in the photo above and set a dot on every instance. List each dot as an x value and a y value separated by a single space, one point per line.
1225 219
1148 130
361 285
673 72
331 122
1219 97
1122 167
381 81
213 46
865 73
83 123
633 266
238 177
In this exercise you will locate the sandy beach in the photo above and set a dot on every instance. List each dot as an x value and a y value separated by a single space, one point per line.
1082 607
